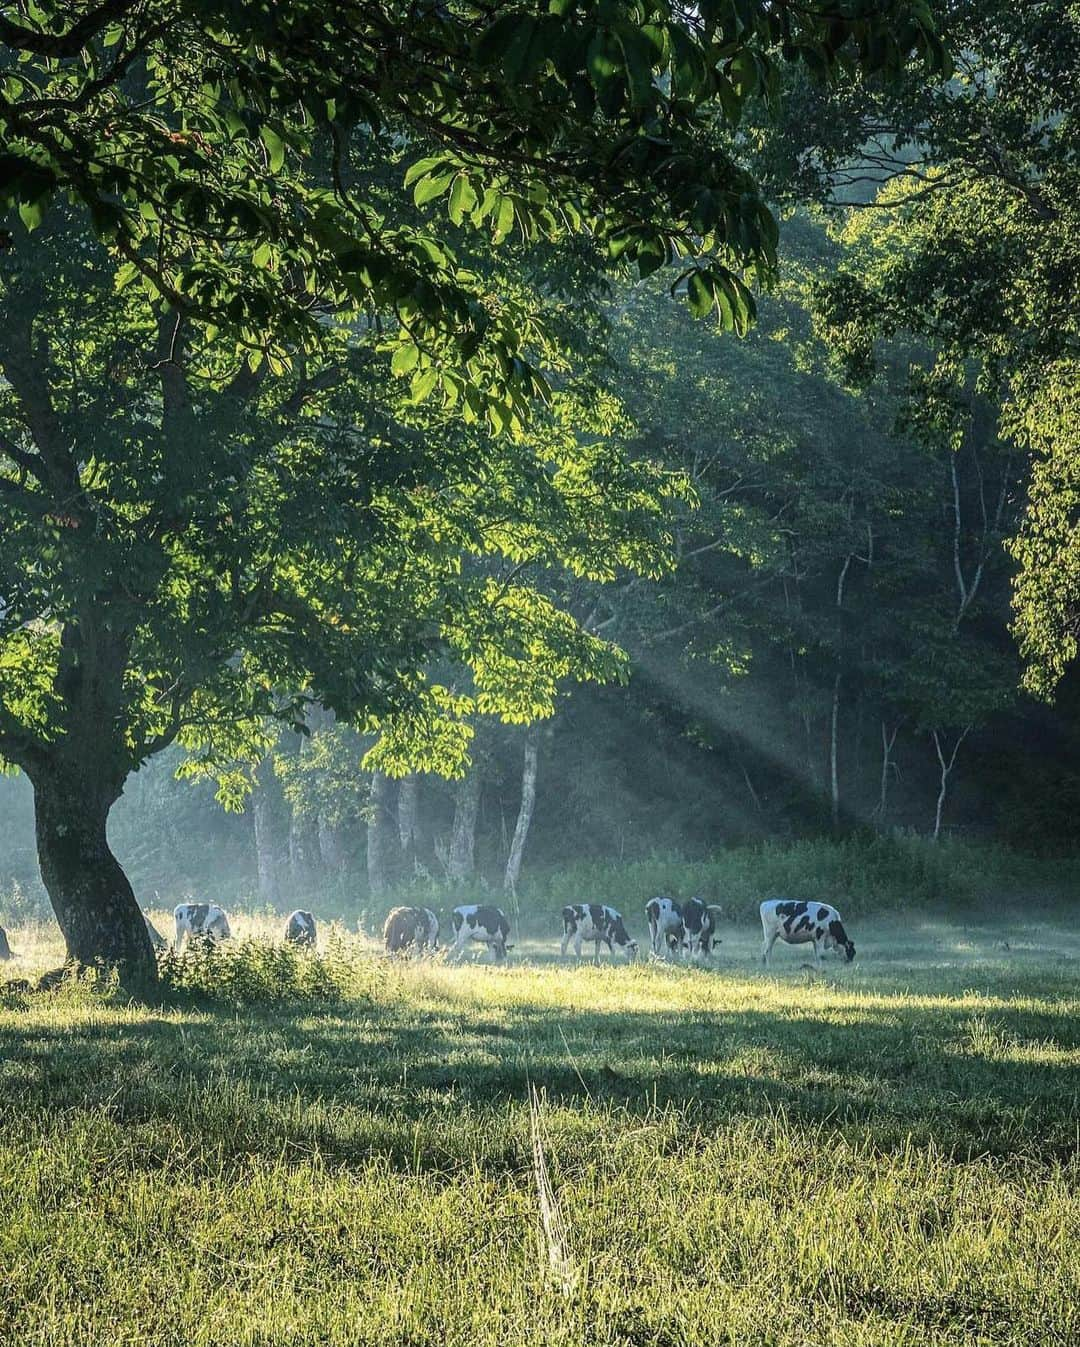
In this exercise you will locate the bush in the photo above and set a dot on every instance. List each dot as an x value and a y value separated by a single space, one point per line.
252 972
860 874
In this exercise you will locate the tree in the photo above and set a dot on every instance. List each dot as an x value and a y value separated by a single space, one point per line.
212 144
184 537
189 533
966 200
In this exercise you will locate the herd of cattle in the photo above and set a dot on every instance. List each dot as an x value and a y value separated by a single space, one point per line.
676 930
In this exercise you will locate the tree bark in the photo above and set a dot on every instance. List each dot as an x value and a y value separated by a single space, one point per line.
331 849
94 903
525 813
834 773
408 817
266 824
946 768
379 834
304 855
887 741
461 860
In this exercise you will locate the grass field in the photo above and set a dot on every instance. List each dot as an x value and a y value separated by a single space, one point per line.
883 1154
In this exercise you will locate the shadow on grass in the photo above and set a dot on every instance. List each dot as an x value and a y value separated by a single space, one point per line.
353 1082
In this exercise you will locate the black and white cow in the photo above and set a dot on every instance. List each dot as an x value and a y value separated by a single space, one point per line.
205 920
156 938
409 928
665 926
477 921
799 923
300 929
699 927
602 925
5 948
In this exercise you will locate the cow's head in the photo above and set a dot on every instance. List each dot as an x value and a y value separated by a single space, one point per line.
840 939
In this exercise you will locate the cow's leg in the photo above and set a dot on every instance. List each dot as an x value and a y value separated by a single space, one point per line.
769 941
597 942
817 951
457 949
567 933
577 944
654 932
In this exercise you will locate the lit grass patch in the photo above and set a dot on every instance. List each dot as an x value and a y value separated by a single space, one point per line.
882 1155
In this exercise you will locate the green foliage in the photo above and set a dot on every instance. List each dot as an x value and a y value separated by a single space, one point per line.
1047 594
214 151
970 245
255 973
864 876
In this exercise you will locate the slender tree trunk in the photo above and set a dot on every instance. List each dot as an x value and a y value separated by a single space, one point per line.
947 764
887 741
525 812
408 818
461 860
90 894
834 773
379 834
266 824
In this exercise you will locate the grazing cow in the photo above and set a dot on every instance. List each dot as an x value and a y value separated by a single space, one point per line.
473 921
801 924
5 948
300 929
665 926
156 938
602 925
408 928
699 928
204 920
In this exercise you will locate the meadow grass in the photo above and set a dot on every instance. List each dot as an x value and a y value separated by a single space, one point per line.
882 1154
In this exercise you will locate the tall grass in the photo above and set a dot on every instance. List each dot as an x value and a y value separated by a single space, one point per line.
862 874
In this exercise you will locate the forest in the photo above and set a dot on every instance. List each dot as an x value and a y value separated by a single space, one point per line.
539 709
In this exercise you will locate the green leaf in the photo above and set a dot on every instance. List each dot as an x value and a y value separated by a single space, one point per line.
404 358
275 146
700 294
32 213
427 189
422 383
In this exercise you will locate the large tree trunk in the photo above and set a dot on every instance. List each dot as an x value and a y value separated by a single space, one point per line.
331 846
380 829
525 813
305 859
90 894
461 861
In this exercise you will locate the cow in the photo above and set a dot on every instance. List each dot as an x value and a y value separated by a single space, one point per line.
665 926
699 928
602 925
156 938
300 929
408 928
798 923
204 920
5 948
473 921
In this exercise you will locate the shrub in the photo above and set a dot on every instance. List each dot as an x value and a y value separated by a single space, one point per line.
253 972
